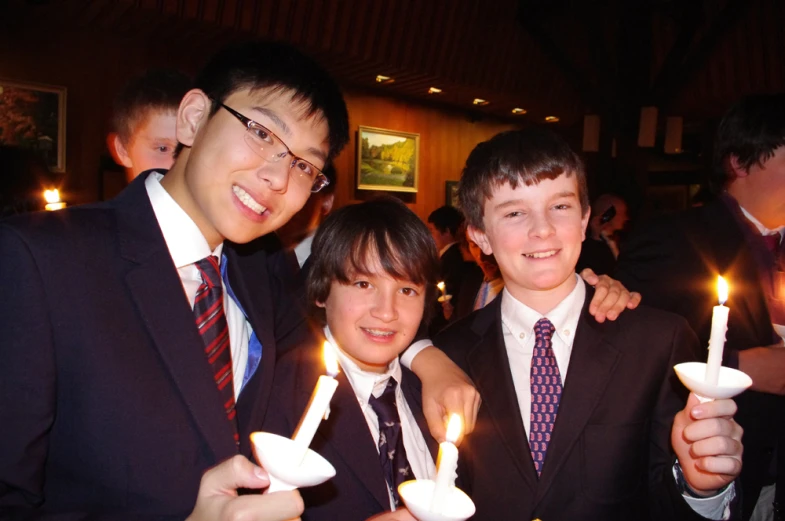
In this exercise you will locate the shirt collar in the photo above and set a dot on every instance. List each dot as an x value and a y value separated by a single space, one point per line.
303 249
364 383
517 316
758 225
185 242
446 247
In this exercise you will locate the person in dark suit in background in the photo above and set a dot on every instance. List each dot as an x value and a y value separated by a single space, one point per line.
140 335
674 263
580 420
600 250
374 268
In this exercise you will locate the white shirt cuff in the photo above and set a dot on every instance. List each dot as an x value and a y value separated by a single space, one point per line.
413 350
714 507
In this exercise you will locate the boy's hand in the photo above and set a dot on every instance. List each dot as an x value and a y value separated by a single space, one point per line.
402 514
445 390
707 442
610 296
217 499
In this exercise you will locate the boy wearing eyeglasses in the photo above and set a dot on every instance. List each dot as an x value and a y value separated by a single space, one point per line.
139 335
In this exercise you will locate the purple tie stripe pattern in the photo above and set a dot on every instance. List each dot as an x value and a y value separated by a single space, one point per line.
214 330
546 390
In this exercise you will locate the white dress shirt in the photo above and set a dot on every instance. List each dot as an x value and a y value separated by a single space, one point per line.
186 246
364 384
518 322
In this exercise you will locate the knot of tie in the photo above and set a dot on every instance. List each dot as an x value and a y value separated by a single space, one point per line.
544 329
210 271
384 406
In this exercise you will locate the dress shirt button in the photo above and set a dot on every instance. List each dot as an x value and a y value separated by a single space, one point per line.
522 336
567 332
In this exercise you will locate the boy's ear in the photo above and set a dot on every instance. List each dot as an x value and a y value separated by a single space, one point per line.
736 168
327 204
118 150
193 113
584 223
479 237
320 304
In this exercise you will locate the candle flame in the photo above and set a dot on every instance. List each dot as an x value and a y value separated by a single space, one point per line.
722 290
330 360
454 428
440 286
52 196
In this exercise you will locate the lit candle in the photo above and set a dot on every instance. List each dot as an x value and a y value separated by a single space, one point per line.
447 462
52 198
319 405
441 288
719 326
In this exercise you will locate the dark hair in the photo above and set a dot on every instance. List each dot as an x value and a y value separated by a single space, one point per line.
751 130
446 218
384 226
516 156
157 89
263 64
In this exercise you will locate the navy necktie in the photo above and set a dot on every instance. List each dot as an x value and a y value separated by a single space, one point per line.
214 330
546 389
392 454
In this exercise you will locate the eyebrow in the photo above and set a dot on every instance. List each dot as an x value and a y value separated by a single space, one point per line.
513 202
285 129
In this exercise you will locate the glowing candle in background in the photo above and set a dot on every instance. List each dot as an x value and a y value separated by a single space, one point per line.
719 327
52 198
447 463
319 405
441 287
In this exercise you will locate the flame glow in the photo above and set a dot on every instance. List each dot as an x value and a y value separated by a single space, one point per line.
52 196
440 286
330 360
454 428
722 290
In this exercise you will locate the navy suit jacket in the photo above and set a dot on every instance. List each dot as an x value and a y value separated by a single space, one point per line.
674 263
609 456
358 491
107 405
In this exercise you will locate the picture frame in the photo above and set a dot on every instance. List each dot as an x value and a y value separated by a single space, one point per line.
387 160
451 193
32 117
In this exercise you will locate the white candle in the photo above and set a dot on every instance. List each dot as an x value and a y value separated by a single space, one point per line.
719 326
52 198
447 463
319 404
441 287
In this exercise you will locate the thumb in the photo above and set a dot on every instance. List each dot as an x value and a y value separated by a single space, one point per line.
236 472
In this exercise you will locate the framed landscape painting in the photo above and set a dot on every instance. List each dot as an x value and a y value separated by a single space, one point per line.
33 117
387 160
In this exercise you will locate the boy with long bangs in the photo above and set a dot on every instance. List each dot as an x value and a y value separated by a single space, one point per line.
610 441
374 268
140 334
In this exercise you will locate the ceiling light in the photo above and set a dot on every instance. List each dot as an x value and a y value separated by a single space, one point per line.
434 90
480 102
551 119
518 110
380 78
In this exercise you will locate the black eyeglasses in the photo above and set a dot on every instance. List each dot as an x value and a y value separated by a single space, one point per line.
271 148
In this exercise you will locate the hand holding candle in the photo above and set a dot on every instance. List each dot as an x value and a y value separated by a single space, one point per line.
719 327
319 404
447 464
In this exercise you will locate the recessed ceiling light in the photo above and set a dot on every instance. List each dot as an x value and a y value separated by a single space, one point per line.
480 102
380 78
551 119
434 90
518 110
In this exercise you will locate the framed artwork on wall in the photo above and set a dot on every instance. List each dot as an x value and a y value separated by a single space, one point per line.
32 117
451 193
387 160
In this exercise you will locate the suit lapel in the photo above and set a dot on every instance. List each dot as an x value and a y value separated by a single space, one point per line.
155 287
347 433
591 365
489 368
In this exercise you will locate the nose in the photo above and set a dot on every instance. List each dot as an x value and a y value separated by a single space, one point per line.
542 227
275 174
384 307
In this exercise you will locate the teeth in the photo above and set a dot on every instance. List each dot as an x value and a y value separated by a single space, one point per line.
247 200
541 254
378 332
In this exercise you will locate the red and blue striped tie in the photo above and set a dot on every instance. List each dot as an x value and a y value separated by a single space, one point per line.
546 389
211 322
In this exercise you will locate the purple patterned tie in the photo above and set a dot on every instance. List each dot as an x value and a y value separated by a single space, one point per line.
546 388
392 454
212 325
